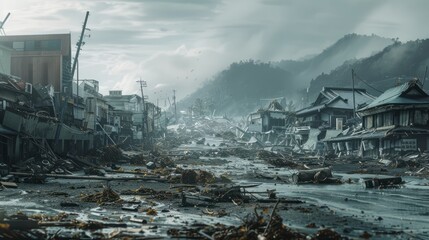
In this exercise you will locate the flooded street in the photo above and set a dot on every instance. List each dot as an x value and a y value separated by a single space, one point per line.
348 207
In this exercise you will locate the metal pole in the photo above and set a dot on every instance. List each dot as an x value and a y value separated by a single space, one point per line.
79 44
5 19
353 89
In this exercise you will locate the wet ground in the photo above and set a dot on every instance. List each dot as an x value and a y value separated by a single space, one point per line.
349 208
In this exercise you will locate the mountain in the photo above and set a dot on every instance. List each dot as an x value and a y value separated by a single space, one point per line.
238 89
395 64
349 47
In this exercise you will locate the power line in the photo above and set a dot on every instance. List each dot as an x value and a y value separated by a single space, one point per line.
367 84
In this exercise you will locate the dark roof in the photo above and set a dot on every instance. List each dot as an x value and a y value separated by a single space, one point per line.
409 93
336 97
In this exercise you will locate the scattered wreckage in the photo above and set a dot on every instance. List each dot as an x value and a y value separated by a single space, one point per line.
185 187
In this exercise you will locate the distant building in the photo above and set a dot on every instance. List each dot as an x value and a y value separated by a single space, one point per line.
132 102
333 107
273 116
126 106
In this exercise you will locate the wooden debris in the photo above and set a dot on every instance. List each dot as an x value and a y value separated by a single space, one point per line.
8 184
319 175
383 182
106 196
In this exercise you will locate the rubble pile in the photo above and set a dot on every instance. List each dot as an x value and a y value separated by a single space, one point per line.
41 164
255 227
277 160
190 176
211 126
225 193
234 151
173 140
226 135
106 196
259 227
152 193
111 154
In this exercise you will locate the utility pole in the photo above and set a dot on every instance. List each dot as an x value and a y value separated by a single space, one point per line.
353 89
79 44
175 109
63 102
2 24
144 113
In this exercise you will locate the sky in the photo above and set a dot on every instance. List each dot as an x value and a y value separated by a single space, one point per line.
179 44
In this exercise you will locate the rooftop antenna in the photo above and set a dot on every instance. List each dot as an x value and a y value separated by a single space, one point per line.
2 32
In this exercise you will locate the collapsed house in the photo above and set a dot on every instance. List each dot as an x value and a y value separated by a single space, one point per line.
395 122
267 123
332 110
273 117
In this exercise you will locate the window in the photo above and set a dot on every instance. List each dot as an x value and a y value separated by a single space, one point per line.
420 117
369 122
379 120
18 46
43 45
115 93
388 119
404 118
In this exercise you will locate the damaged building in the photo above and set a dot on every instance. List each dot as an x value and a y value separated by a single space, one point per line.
268 124
33 96
326 117
394 123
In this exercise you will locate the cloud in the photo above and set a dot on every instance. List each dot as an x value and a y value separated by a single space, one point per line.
180 44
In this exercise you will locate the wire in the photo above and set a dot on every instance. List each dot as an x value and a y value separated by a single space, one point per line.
368 84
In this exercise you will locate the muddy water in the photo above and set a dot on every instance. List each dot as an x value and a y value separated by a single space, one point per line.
402 209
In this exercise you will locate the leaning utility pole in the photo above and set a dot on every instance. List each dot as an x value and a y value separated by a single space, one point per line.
144 112
63 102
79 44
2 24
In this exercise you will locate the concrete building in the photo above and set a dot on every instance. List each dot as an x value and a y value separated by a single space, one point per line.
44 59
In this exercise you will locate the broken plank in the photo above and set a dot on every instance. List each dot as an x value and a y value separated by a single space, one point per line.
8 184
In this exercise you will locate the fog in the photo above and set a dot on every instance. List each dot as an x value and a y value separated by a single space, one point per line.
181 44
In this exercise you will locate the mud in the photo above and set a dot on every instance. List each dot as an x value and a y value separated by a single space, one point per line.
219 190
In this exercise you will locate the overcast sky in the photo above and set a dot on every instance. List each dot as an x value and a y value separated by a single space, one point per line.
178 44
